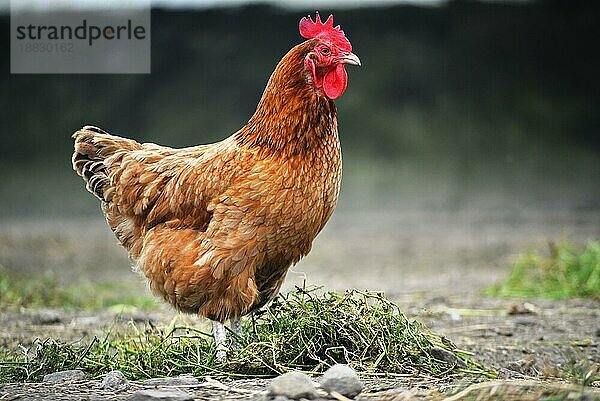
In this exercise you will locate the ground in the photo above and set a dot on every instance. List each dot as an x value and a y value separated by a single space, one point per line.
435 265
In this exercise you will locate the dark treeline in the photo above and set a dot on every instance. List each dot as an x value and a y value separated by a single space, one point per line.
465 82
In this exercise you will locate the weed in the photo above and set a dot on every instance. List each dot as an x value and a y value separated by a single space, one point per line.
567 272
578 369
305 330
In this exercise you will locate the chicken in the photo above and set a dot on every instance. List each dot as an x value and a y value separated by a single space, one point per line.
214 228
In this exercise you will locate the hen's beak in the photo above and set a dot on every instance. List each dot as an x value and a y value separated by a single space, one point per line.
350 58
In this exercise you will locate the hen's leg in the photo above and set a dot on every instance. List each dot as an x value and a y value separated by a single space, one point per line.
220 338
236 327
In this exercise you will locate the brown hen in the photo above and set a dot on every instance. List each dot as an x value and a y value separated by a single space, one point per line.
214 228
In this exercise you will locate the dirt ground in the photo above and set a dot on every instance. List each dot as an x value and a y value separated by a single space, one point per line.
523 341
433 265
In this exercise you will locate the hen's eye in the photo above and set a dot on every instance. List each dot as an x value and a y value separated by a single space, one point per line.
325 51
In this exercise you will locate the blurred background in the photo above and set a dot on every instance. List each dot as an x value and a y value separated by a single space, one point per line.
469 133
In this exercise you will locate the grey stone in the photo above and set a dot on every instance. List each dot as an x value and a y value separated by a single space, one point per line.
83 321
47 317
262 397
525 321
524 308
114 381
293 385
580 397
525 366
507 374
503 332
181 380
64 375
161 395
342 379
449 357
436 301
403 394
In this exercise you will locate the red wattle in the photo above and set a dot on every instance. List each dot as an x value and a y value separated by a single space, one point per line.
335 82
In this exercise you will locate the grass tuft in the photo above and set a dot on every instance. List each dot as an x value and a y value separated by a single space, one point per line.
578 369
566 273
305 330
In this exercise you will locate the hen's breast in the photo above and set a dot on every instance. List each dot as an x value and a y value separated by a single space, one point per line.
306 188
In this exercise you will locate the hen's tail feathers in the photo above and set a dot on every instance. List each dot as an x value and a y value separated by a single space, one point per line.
92 147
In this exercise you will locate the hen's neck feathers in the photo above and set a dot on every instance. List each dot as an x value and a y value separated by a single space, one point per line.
292 116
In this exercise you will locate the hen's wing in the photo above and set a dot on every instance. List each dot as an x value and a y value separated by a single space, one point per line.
144 185
200 221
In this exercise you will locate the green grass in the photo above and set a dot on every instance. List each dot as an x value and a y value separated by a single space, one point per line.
566 272
305 330
578 369
48 292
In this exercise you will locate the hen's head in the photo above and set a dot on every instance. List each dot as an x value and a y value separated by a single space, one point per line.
327 56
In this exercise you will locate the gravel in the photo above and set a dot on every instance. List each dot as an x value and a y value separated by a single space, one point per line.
293 385
449 357
342 379
64 375
115 381
181 380
161 395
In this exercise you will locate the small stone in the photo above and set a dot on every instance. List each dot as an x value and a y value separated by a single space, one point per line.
503 332
161 395
447 356
293 385
115 381
84 321
142 317
577 396
524 366
280 398
507 374
403 394
524 321
64 375
436 301
181 380
47 317
526 308
263 397
342 379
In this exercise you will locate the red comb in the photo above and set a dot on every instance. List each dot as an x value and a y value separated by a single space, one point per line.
325 31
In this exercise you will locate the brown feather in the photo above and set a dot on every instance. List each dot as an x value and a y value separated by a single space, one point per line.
214 228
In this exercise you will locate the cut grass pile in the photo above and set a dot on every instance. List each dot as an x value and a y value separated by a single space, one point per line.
566 272
48 292
305 330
